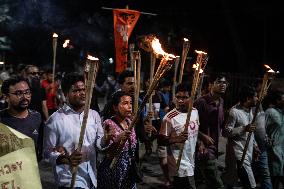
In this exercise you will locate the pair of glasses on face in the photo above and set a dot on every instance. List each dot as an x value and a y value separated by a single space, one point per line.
222 83
78 90
21 93
182 97
33 73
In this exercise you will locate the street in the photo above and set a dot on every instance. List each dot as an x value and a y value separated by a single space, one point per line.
153 180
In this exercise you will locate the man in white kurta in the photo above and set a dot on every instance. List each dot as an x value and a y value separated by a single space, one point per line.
62 134
237 128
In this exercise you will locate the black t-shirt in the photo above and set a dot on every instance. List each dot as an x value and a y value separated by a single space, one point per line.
38 95
28 126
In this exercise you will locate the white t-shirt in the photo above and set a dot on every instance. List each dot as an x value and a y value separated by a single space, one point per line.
173 125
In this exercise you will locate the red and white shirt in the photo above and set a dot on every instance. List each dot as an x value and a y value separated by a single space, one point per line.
173 125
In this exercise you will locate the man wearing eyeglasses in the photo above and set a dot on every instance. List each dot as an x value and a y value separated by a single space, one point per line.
17 93
38 102
211 116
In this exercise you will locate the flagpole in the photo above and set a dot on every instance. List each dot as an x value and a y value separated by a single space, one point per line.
146 13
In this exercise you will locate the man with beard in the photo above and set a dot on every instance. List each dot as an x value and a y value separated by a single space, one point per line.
38 102
17 93
62 132
237 128
211 115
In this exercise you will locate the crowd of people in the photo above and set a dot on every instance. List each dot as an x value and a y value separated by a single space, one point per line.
52 115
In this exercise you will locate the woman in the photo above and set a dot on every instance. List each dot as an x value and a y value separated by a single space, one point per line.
116 130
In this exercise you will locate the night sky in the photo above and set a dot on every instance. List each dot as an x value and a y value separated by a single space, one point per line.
238 37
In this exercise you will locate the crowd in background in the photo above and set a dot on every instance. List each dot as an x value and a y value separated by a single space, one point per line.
52 111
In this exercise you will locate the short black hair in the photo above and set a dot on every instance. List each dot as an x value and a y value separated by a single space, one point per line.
123 75
13 80
246 91
182 88
70 79
214 77
49 71
116 97
27 67
275 95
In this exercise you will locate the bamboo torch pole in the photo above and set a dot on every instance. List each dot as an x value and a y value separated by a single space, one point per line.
197 67
175 77
201 78
137 68
92 62
152 67
54 45
266 81
132 59
134 68
185 49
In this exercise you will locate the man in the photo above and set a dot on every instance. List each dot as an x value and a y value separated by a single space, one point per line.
126 84
109 86
211 115
38 102
172 134
236 129
62 133
260 166
275 131
154 118
50 90
17 93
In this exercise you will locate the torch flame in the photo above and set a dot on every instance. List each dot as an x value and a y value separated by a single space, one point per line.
268 67
66 42
185 39
92 57
195 66
200 71
157 48
54 35
200 52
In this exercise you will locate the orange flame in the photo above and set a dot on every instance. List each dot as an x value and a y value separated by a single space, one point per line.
200 52
66 42
268 67
92 57
54 35
157 47
195 66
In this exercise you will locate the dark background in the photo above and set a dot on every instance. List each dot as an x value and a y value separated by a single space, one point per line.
239 36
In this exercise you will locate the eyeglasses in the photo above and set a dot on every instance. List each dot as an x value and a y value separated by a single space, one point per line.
33 73
20 93
182 97
222 82
78 90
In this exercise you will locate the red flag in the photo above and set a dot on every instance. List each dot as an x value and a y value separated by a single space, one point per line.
124 22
